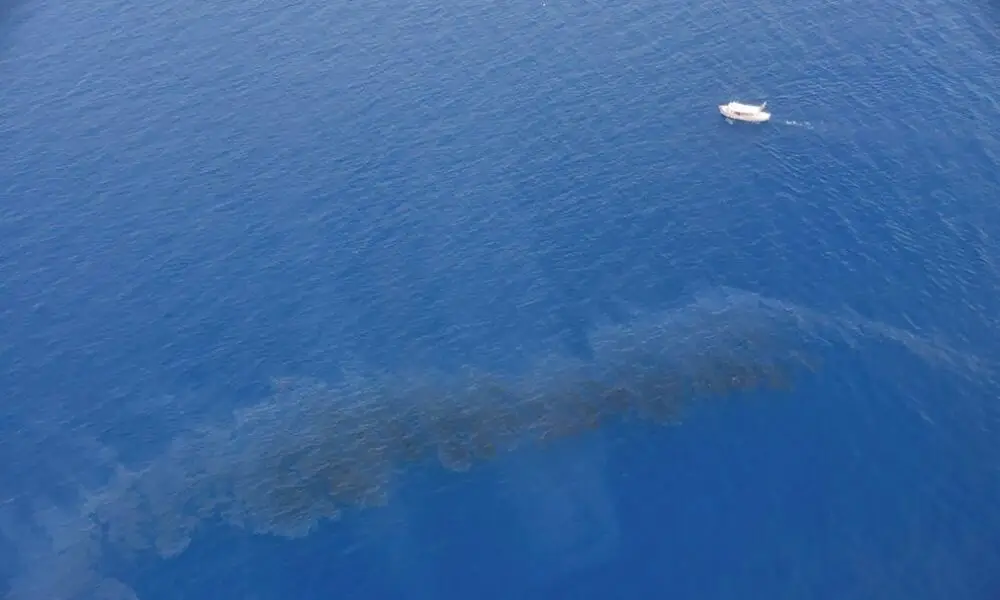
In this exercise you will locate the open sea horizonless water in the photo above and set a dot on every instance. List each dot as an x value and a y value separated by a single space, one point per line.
413 300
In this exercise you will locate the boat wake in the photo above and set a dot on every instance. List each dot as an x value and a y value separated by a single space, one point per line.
802 124
314 449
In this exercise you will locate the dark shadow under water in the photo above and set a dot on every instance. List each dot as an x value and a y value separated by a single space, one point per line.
315 449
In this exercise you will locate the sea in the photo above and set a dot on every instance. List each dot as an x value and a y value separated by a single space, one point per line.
455 299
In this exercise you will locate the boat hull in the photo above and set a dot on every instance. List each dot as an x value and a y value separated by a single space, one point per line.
754 117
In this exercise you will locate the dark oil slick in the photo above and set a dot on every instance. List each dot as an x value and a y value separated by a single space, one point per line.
315 449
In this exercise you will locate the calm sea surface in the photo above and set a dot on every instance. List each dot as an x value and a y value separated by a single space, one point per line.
412 300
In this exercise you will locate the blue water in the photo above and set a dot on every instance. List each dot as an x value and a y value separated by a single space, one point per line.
418 247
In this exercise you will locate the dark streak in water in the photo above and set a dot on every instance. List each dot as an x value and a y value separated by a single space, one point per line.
313 449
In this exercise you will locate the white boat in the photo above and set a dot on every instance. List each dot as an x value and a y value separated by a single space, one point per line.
745 112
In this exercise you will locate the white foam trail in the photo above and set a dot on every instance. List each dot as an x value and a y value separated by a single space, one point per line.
803 124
